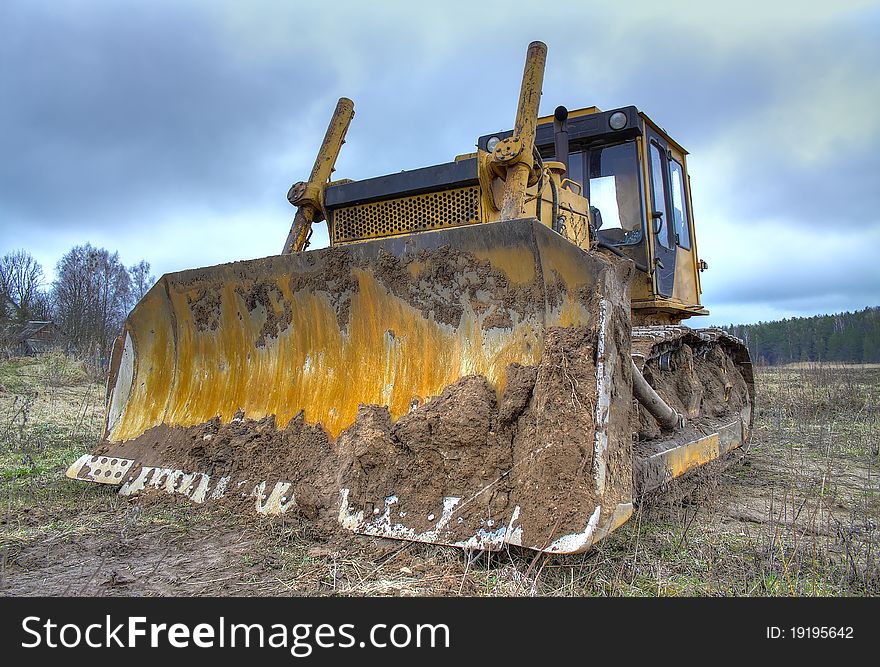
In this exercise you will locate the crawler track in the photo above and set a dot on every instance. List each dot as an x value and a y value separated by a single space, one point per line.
706 375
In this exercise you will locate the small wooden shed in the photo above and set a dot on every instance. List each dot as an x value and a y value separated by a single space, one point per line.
36 337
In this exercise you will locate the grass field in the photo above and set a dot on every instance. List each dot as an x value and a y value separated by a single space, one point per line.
796 514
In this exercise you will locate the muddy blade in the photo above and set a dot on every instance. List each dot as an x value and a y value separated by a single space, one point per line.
466 386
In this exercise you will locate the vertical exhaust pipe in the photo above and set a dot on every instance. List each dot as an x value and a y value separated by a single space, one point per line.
560 135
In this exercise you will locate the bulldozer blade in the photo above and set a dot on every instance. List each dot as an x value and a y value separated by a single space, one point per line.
466 386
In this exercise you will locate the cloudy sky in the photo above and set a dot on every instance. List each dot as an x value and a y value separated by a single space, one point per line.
171 130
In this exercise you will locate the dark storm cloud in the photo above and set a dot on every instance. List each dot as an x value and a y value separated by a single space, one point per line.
109 109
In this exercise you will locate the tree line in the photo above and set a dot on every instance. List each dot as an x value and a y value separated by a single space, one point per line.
91 295
852 337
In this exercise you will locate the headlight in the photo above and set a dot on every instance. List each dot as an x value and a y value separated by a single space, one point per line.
618 120
491 143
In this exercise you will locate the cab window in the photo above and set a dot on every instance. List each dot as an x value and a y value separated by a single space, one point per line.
679 207
612 188
614 192
611 180
576 168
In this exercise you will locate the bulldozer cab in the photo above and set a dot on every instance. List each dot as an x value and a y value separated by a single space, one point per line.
635 179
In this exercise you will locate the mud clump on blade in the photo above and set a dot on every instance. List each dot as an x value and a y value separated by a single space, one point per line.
205 306
555 437
528 454
334 278
518 392
451 446
266 297
556 442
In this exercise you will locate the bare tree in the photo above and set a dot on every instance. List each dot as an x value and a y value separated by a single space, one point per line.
141 280
91 294
21 279
42 307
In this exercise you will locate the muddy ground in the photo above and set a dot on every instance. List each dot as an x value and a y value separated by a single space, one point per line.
797 514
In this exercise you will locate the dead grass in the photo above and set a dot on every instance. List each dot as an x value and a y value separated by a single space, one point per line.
797 515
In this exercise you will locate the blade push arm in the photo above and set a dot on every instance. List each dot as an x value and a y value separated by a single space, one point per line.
514 156
308 197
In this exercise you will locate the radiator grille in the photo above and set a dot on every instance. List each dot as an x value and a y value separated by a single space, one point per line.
434 210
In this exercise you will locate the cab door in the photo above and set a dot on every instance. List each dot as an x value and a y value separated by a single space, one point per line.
660 223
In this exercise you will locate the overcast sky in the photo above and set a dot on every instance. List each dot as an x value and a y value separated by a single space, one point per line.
171 130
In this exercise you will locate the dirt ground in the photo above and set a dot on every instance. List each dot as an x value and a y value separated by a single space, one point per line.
796 514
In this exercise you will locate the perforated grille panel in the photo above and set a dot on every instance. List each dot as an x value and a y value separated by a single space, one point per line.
449 208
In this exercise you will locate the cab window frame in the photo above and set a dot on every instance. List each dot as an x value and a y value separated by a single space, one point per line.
682 190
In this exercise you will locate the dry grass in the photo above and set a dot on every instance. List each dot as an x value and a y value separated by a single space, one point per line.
797 514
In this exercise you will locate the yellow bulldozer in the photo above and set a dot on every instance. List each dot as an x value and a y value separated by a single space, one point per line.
490 352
